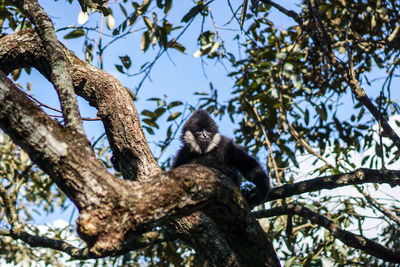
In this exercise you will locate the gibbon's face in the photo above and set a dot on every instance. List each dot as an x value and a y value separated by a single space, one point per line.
201 140
200 133
203 135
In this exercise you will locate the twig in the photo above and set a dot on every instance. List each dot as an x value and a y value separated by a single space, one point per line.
269 145
11 213
380 132
84 119
393 35
379 206
305 144
41 104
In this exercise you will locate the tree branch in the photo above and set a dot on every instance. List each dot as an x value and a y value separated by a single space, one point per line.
59 71
103 91
350 239
11 213
133 243
359 176
302 141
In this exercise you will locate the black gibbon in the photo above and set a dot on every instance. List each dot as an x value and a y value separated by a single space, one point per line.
202 144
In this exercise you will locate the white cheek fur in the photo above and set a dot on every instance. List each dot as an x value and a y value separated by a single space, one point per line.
214 142
191 141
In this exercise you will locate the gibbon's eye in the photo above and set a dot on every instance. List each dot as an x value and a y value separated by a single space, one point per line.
203 134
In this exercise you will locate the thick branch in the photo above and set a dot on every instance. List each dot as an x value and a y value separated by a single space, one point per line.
360 176
350 239
59 71
103 91
199 232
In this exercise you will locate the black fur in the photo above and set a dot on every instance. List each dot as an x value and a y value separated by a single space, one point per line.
205 146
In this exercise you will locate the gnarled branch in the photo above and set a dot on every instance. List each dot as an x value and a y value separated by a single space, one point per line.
59 76
359 176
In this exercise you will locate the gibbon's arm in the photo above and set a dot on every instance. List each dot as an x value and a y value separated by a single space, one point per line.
252 171
182 157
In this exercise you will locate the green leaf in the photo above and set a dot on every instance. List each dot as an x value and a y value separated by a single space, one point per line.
174 104
148 22
206 37
177 46
307 117
123 10
322 113
149 130
174 115
151 123
119 68
133 18
243 14
214 47
154 99
147 113
168 5
74 34
169 132
200 93
126 61
289 262
204 50
158 112
145 5
110 22
192 13
89 53
145 42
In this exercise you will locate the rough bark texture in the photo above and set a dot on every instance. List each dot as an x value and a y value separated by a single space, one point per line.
112 209
359 176
103 91
57 60
197 230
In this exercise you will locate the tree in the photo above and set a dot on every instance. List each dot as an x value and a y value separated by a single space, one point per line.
287 94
